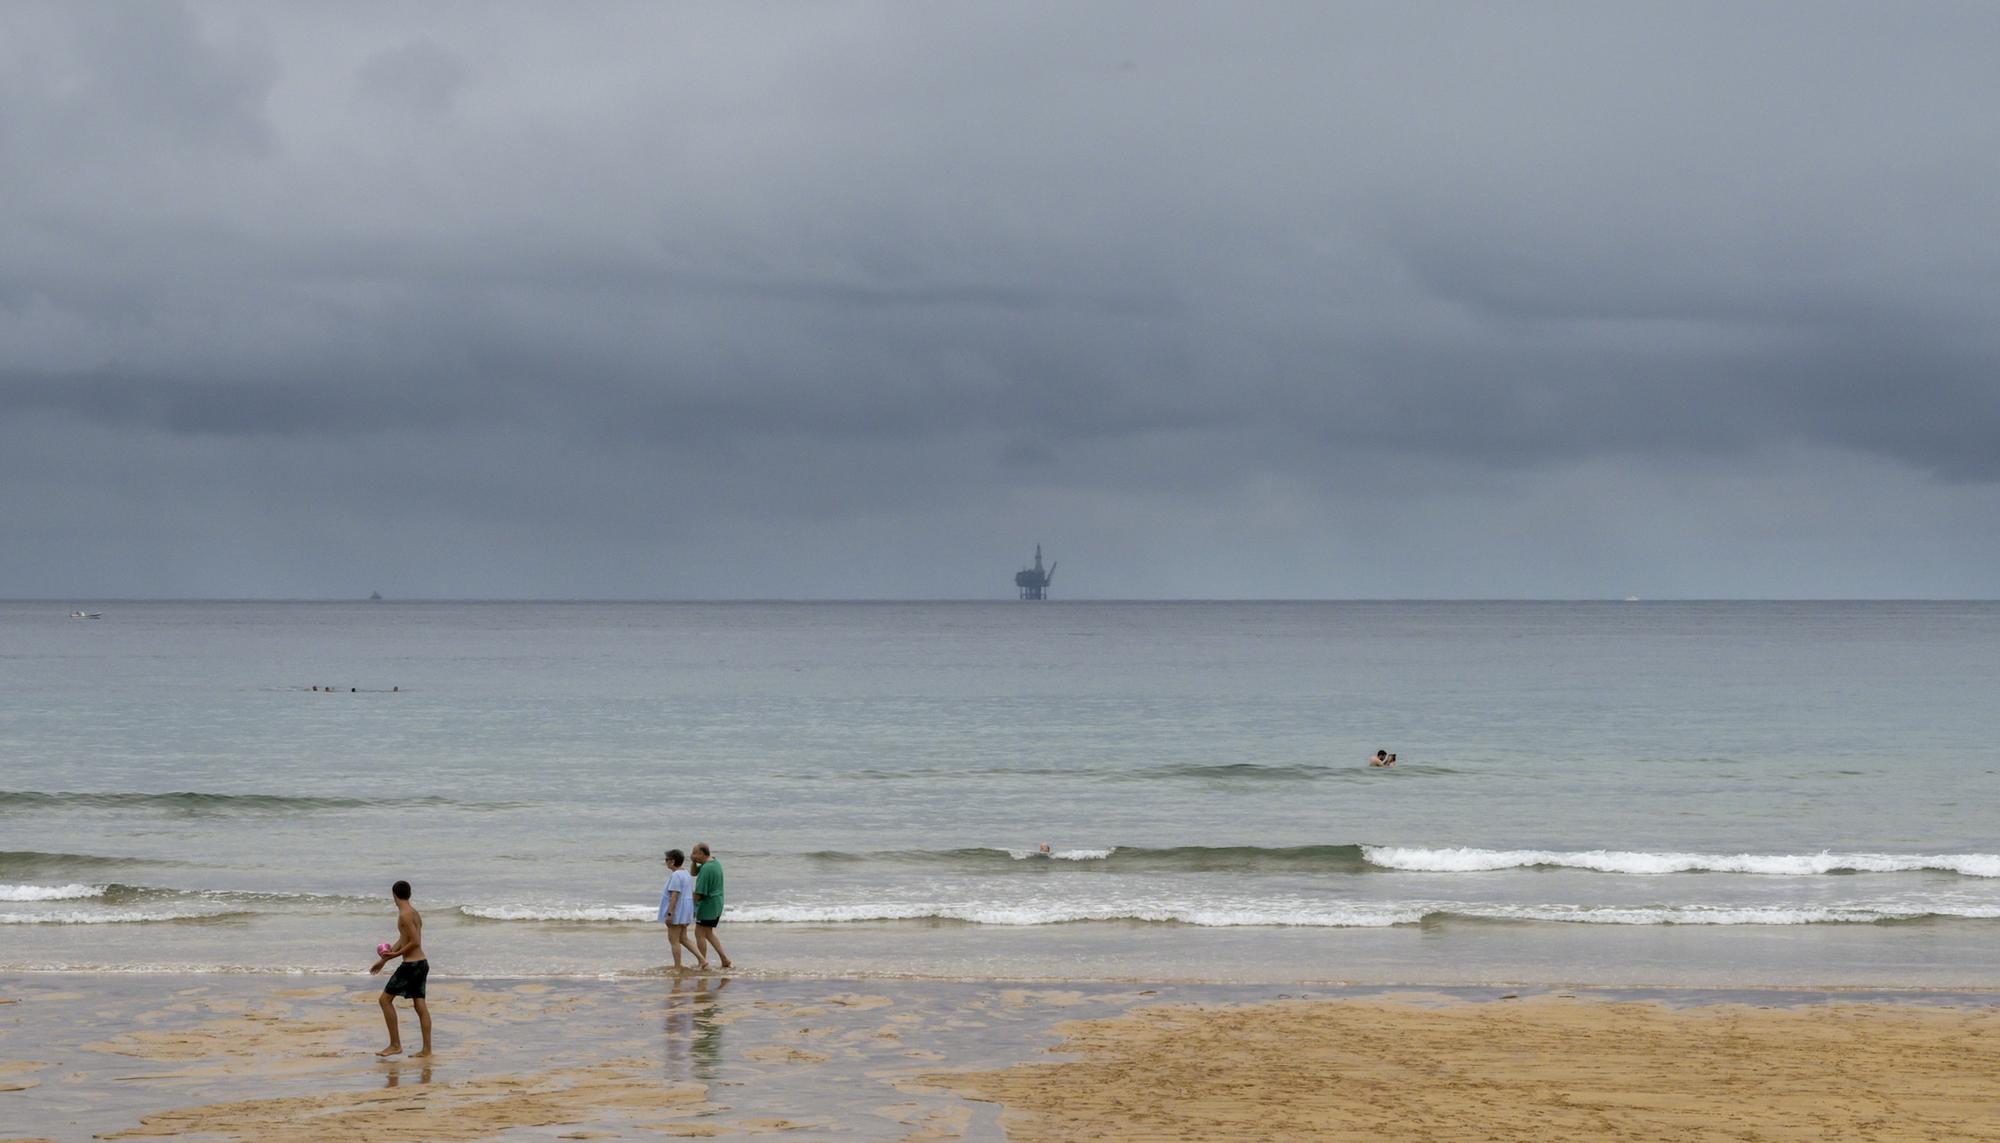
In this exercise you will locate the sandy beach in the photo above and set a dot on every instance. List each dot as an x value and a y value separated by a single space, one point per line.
246 1058
1550 1067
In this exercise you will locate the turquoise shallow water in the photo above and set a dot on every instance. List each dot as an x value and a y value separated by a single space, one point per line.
1627 791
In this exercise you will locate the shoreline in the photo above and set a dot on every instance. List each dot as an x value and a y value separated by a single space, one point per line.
791 976
1959 957
266 1056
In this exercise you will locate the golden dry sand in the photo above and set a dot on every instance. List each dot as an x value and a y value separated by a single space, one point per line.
1553 1069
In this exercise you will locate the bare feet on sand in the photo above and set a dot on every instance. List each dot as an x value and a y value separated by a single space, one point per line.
391 1050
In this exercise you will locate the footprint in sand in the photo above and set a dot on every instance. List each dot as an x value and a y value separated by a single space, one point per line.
857 1001
778 1054
1022 998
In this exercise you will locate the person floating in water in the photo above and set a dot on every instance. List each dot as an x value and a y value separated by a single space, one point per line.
1382 758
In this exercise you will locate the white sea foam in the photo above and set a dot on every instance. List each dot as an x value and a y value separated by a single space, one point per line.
1064 854
1337 915
561 912
49 892
1278 915
1467 860
1274 915
1730 915
108 917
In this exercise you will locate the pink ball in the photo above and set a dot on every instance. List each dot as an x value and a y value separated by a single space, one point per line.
382 950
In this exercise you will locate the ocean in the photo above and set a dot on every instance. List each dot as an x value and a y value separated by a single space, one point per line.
1645 792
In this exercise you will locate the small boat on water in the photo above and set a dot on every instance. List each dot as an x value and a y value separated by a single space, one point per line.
86 615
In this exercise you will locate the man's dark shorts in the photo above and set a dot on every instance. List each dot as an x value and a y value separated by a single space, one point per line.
409 980
708 924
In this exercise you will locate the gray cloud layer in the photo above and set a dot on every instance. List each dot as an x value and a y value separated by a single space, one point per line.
865 299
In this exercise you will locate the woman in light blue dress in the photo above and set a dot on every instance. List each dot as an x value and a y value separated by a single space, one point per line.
677 909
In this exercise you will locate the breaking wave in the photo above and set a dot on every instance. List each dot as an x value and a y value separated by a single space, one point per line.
197 803
121 917
1418 859
589 914
49 892
1469 860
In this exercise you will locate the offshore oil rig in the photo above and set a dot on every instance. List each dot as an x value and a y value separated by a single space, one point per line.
1034 582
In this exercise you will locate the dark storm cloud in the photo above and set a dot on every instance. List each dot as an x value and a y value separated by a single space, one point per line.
793 284
79 76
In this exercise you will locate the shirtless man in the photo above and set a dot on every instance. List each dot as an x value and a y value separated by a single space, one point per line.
409 976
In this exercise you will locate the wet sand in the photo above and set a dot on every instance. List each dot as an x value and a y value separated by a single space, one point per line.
137 1057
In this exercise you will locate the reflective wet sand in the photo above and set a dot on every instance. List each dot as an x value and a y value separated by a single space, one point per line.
263 1058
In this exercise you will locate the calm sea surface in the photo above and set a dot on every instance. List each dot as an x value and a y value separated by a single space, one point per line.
1748 792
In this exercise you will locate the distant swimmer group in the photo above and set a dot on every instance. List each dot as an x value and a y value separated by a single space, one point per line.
1382 758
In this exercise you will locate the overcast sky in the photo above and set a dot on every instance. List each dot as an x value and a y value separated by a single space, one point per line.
865 300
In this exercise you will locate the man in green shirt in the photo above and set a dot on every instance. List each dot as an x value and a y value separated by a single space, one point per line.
707 902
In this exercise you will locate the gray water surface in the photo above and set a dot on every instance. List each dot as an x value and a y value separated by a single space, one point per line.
1727 784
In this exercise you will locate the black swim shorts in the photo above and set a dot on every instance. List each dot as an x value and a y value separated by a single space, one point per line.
409 980
708 924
